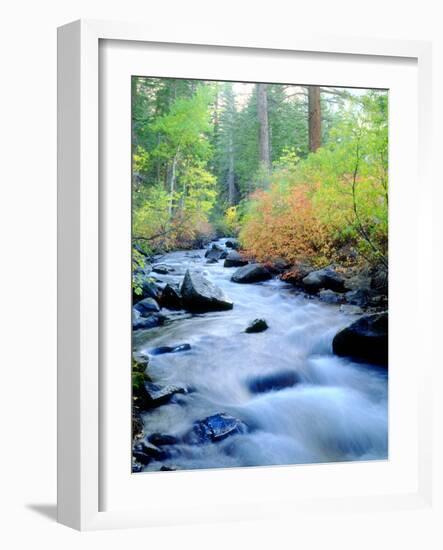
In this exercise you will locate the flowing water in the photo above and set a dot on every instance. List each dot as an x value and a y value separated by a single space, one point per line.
336 412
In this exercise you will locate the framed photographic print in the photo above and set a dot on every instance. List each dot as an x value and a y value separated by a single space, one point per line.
232 220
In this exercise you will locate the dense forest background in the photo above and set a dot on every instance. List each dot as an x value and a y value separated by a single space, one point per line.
298 173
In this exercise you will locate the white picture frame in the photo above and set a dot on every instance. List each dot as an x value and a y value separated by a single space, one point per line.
80 392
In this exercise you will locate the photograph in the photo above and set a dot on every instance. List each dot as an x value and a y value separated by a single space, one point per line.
259 274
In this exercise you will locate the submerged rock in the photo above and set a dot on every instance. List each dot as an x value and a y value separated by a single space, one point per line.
200 295
162 269
159 439
252 273
257 325
350 309
155 394
233 259
273 382
144 452
326 278
212 261
147 322
214 428
167 349
365 340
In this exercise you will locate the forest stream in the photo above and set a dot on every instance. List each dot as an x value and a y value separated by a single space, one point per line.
294 400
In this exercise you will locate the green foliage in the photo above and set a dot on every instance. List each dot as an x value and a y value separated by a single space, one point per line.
344 198
196 168
139 375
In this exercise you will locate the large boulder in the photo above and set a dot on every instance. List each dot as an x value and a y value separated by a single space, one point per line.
251 273
214 428
273 382
233 259
326 278
365 340
200 295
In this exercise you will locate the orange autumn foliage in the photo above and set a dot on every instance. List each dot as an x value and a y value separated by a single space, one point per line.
285 226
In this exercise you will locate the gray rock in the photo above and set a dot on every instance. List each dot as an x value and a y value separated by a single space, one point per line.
233 259
167 349
257 325
216 252
331 297
147 306
365 340
351 310
163 269
156 394
147 322
358 297
171 298
326 278
251 273
214 428
273 382
232 243
200 295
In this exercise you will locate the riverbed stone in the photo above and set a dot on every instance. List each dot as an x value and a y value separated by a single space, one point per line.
296 273
233 259
168 349
359 297
216 252
162 269
214 428
364 340
149 321
273 381
326 278
161 440
149 451
171 298
350 309
200 295
331 297
156 394
147 306
232 243
257 325
251 273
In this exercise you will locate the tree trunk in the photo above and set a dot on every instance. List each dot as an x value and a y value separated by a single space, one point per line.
262 112
314 118
172 176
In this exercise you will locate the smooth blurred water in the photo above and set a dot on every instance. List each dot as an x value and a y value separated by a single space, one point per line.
337 412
